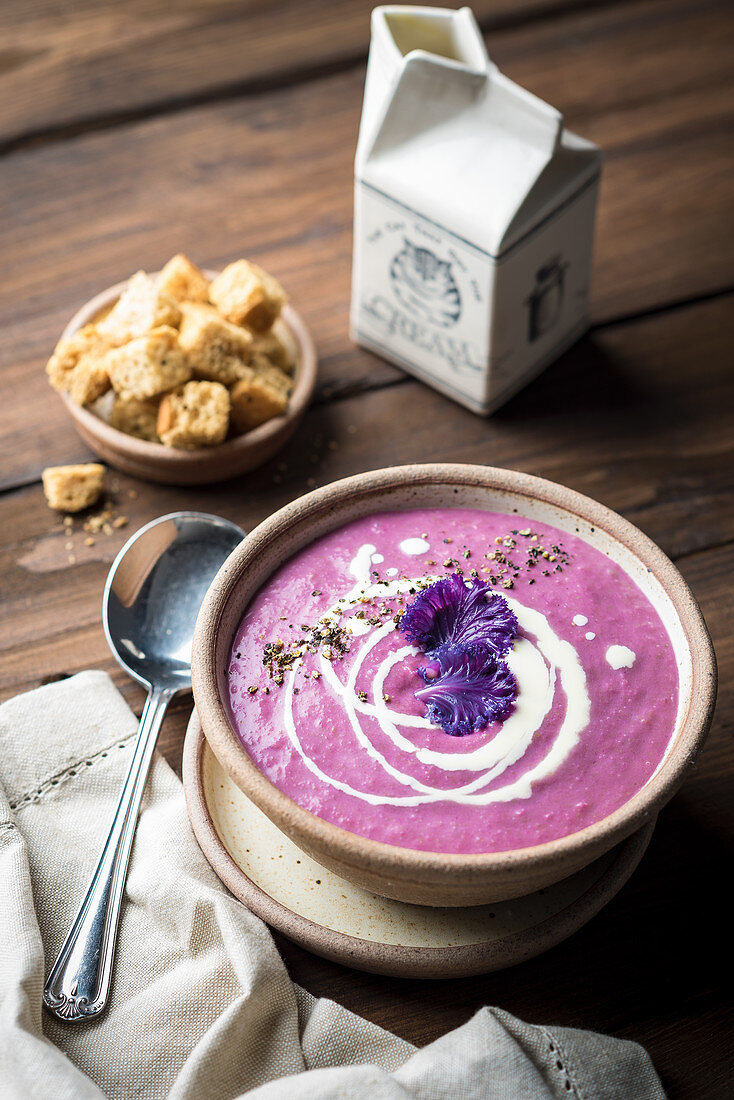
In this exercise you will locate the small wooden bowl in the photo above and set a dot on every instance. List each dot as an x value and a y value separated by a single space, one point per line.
172 465
429 878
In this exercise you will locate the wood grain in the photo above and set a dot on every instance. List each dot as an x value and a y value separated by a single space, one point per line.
91 63
270 177
624 416
225 127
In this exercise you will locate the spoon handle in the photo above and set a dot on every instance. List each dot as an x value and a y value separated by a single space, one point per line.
78 985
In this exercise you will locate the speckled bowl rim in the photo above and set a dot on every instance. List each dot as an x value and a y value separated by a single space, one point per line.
142 451
423 867
396 960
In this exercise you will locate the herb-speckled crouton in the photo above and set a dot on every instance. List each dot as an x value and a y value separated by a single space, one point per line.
277 346
142 306
260 396
77 365
196 415
182 281
72 488
216 349
247 295
148 365
136 417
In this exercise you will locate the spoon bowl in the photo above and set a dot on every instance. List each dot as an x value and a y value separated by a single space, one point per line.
148 614
151 599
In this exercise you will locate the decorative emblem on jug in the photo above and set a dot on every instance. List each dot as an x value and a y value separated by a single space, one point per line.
546 300
425 285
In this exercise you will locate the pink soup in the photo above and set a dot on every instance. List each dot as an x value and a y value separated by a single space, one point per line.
322 685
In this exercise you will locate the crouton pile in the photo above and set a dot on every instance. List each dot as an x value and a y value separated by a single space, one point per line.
187 361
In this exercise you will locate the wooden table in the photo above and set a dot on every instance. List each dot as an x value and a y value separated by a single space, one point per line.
227 127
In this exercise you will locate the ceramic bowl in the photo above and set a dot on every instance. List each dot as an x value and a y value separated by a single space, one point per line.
175 466
430 878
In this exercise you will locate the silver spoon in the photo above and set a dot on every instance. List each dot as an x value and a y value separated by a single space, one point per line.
151 599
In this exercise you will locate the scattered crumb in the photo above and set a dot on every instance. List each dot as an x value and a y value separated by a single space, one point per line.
104 522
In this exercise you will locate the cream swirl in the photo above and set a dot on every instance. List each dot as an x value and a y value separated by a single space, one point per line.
539 667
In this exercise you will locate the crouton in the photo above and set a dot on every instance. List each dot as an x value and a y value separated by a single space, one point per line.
247 295
260 396
136 417
215 348
73 488
89 380
277 346
196 415
148 365
77 368
141 307
182 281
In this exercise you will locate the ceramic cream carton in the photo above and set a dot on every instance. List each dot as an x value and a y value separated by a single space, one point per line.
474 213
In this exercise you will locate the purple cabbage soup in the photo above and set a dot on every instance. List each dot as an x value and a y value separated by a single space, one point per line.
454 680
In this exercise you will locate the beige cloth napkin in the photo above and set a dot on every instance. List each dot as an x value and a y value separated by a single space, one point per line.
201 1002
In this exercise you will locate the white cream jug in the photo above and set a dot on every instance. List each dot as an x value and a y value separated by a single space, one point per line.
474 213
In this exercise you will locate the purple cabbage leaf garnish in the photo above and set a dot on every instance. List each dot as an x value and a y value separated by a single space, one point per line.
452 612
467 687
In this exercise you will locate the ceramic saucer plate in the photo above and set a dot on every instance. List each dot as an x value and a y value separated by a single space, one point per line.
432 878
342 922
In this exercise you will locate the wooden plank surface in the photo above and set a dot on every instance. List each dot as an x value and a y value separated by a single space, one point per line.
119 152
270 176
636 416
89 63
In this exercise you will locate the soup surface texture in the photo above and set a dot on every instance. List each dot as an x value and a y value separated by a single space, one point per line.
322 684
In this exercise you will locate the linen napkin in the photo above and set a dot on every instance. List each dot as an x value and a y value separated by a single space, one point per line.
201 1004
